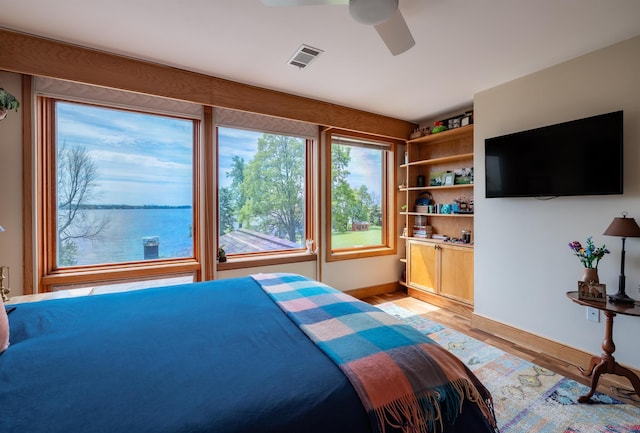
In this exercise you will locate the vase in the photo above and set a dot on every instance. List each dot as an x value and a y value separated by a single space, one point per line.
590 275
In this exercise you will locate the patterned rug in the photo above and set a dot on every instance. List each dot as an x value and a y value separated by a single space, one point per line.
528 398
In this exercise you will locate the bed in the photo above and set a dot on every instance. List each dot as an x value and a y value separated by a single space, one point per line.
249 354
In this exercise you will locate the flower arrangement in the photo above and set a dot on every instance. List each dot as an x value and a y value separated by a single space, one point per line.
590 255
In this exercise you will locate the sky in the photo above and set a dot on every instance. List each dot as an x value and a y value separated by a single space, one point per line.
140 158
144 159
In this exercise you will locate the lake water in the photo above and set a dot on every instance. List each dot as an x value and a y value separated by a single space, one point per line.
122 239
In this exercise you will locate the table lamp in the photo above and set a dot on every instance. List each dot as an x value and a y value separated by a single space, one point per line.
625 228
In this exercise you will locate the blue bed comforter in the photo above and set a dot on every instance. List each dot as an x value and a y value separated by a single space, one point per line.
206 357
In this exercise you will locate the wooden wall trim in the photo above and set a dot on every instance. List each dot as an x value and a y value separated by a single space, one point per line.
452 305
27 186
562 352
27 54
366 292
209 200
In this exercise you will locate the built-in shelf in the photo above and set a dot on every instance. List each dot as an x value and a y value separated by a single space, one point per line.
433 188
438 241
437 267
449 135
442 160
457 215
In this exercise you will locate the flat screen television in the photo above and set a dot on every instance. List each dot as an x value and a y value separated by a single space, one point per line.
580 157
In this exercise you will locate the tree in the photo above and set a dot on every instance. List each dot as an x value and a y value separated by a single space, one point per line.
77 175
343 198
227 218
273 188
376 215
349 204
363 205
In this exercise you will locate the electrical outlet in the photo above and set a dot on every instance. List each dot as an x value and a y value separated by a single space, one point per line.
593 314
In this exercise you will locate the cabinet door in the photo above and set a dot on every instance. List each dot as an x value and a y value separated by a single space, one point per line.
457 273
422 266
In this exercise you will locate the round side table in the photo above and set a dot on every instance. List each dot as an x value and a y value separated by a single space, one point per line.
606 363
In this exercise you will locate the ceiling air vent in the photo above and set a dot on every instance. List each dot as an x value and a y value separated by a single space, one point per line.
304 55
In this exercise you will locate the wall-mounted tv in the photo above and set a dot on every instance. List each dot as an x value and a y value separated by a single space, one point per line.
580 157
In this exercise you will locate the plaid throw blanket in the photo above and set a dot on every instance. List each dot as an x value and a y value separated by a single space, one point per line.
406 381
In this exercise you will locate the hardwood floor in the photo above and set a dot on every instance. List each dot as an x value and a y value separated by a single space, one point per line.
461 323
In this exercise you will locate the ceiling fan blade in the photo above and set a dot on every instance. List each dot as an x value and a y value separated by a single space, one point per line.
396 34
303 2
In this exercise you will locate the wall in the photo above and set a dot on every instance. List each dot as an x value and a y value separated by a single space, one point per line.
11 186
523 266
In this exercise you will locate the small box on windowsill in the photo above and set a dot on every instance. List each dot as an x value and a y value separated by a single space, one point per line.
590 291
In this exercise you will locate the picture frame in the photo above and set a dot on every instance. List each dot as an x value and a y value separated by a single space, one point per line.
590 291
464 176
449 178
436 179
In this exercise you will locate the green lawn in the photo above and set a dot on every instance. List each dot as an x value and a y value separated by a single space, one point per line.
373 236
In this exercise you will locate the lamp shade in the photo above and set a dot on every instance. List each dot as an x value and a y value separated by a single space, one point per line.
623 227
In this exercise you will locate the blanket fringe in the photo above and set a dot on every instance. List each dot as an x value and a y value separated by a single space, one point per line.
422 412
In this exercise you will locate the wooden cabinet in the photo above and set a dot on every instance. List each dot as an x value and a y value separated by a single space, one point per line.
456 273
440 268
423 262
434 266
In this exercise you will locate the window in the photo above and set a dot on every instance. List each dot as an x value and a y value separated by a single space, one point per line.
124 185
359 195
118 191
262 193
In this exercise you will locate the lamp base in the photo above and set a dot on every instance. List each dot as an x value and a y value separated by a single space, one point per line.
621 298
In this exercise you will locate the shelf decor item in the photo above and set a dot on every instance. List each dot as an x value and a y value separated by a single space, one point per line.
7 102
590 257
438 127
222 255
625 228
591 291
449 178
589 275
423 201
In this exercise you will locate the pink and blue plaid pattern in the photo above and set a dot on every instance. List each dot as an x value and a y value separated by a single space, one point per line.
405 380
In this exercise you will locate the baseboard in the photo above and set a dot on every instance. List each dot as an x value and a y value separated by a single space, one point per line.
460 308
570 355
379 289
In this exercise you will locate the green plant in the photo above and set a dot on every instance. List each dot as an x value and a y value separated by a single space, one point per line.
8 101
590 255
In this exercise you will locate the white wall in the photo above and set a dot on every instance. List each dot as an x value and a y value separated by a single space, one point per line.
308 269
11 186
523 266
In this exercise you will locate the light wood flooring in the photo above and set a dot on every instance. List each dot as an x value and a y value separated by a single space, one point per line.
462 324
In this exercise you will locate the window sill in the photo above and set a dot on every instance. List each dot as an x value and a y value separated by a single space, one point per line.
124 271
335 256
252 262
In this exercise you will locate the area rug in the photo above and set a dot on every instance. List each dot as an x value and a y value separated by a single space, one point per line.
527 397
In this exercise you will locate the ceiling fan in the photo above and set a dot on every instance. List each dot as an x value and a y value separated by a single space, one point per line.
384 15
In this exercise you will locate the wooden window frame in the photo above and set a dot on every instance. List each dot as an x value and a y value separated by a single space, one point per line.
389 243
278 257
48 274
